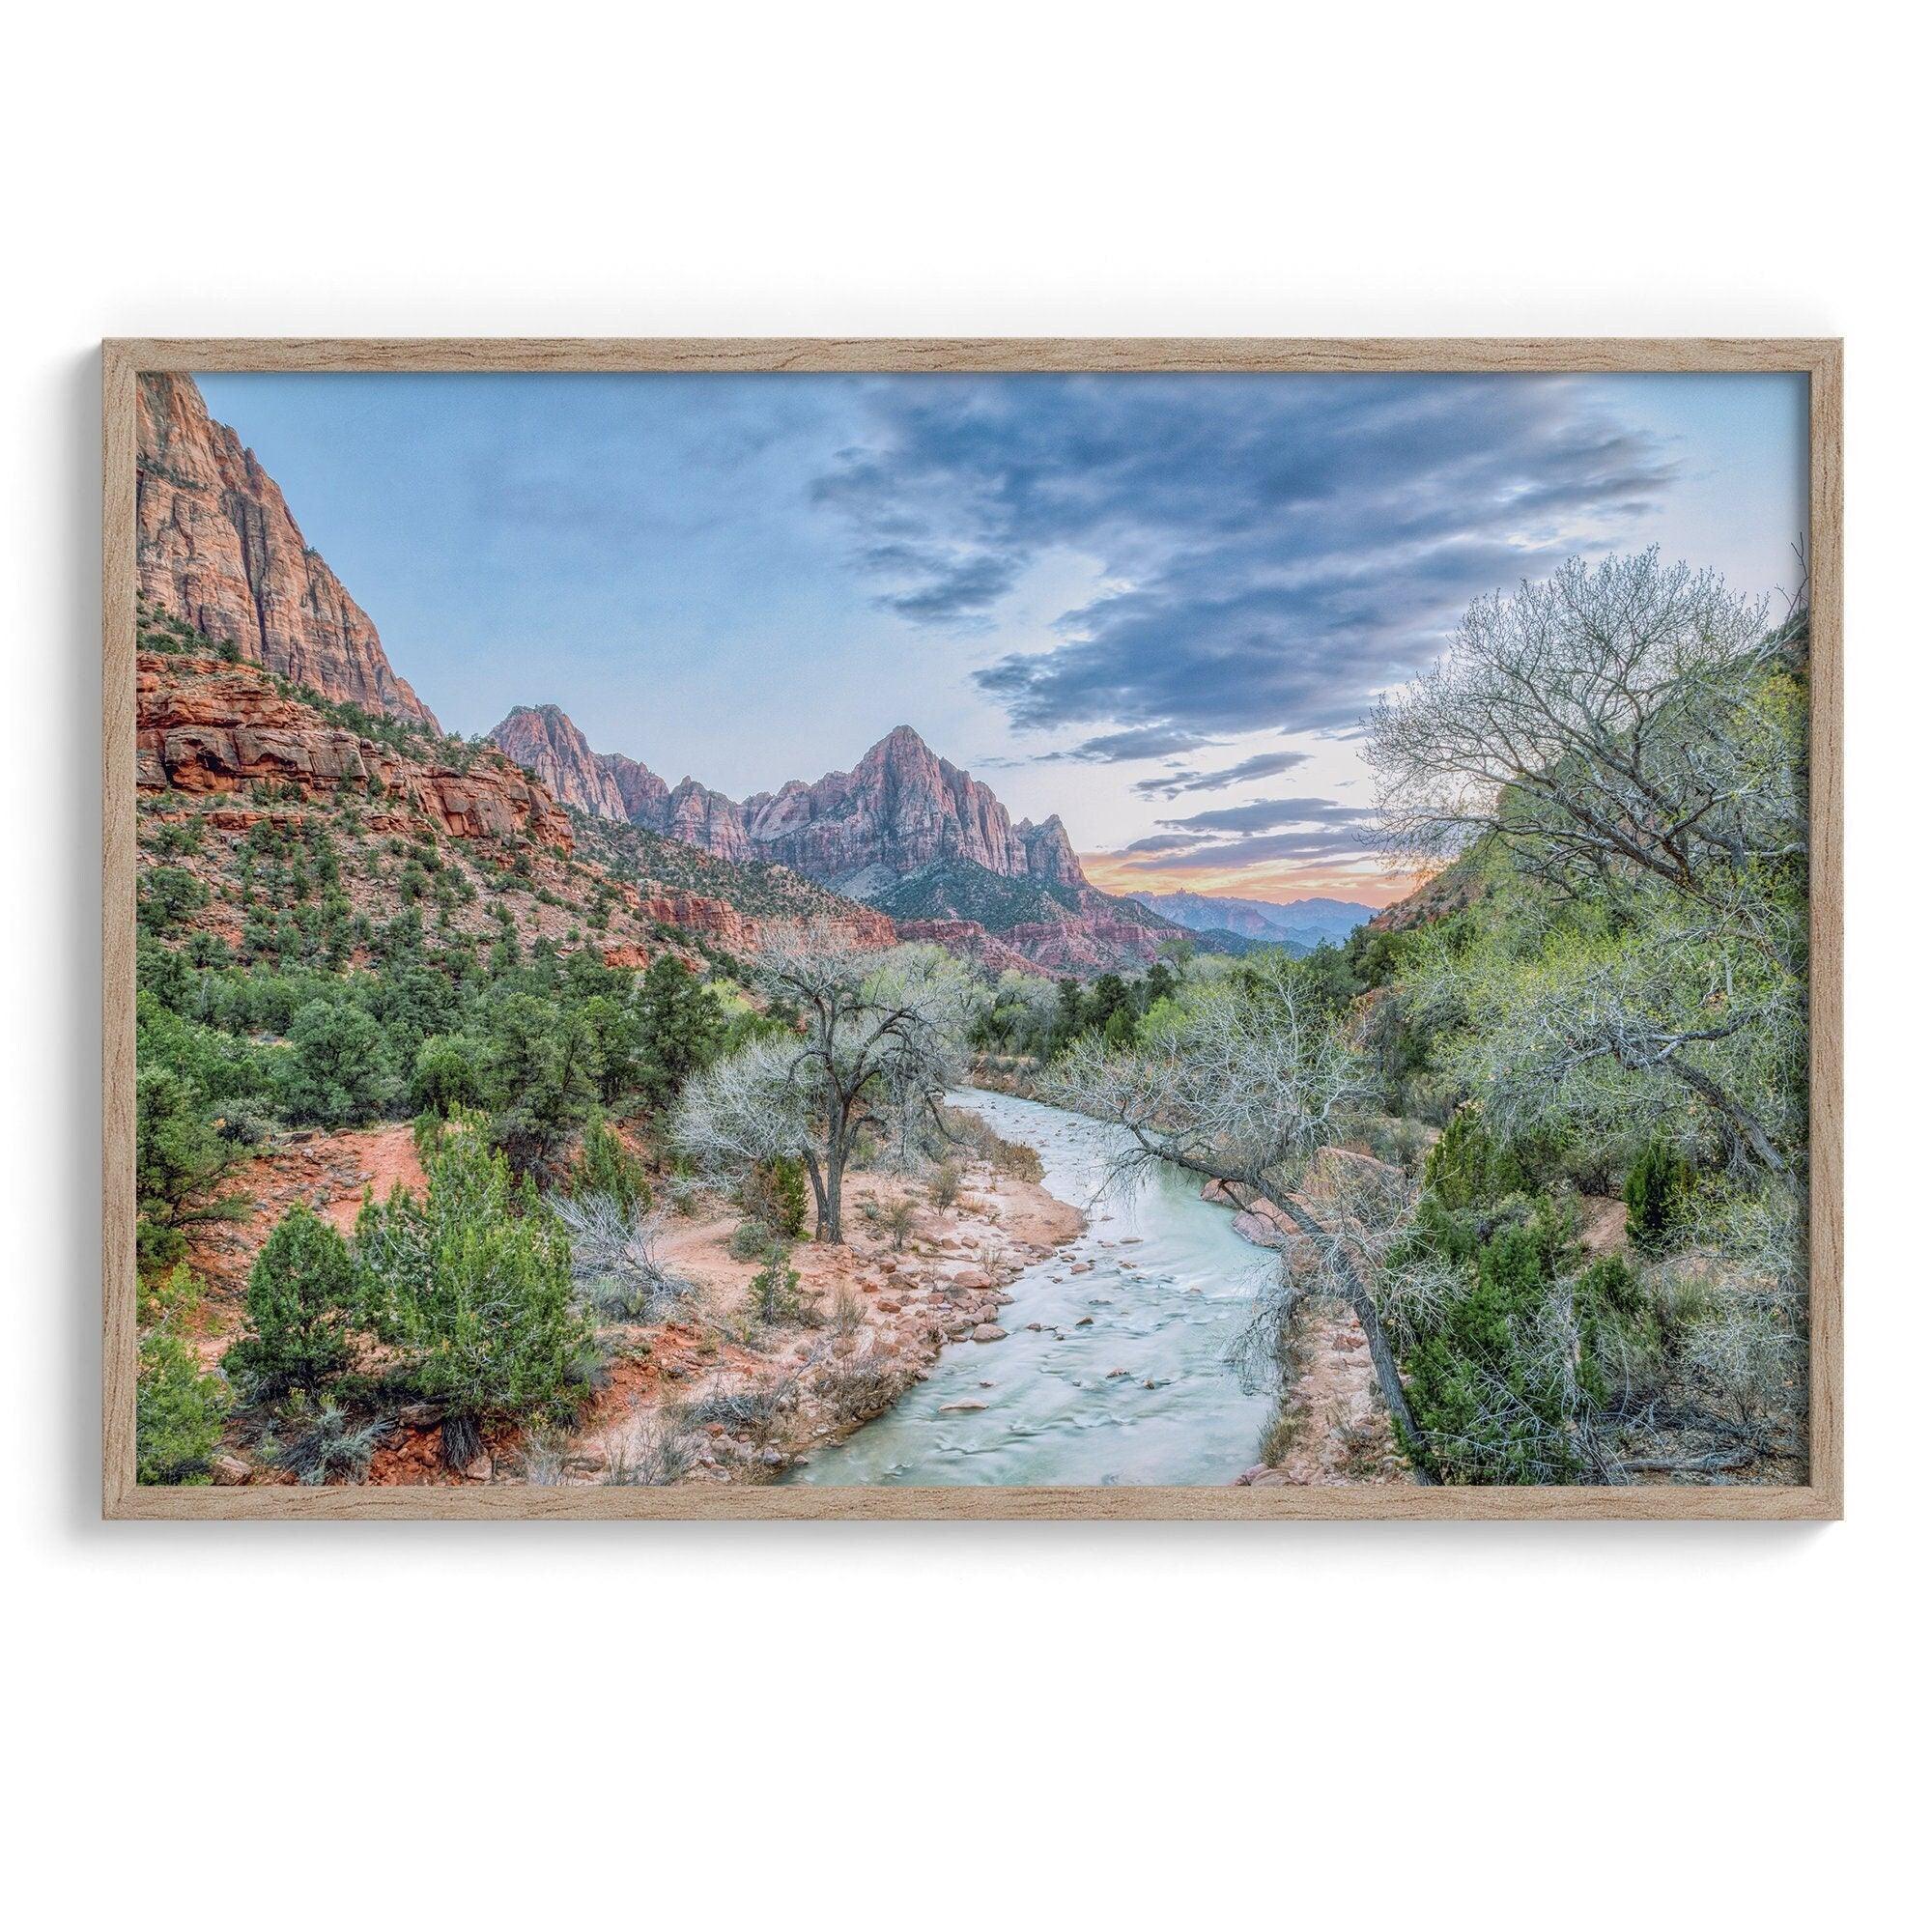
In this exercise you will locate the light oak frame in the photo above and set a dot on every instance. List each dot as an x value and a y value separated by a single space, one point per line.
122 360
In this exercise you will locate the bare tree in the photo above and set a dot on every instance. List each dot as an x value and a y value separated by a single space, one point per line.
1612 723
1631 733
1246 1090
877 1037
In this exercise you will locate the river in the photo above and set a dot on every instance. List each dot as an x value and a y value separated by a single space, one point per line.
1144 1394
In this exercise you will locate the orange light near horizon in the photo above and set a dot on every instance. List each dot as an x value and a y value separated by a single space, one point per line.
1367 885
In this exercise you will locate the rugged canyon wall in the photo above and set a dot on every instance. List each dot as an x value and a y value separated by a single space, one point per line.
898 809
202 726
216 547
551 747
644 796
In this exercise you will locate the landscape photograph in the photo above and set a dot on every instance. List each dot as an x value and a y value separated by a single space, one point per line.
937 931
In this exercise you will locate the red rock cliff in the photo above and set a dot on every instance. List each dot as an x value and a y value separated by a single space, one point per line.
216 547
545 742
900 808
202 726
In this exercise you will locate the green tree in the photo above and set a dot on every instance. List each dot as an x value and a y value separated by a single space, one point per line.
180 1163
333 1073
680 1029
774 1195
471 1286
301 1297
616 1036
605 1165
541 1073
168 895
448 1074
178 1411
178 1406
1654 1191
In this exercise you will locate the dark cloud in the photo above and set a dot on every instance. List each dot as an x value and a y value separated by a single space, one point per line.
1264 814
1263 765
1264 830
946 588
1162 841
1147 741
1195 855
1287 544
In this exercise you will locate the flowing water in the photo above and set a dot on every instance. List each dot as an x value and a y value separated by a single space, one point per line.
1170 1288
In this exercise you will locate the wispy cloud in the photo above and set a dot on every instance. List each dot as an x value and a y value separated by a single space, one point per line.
1263 814
1285 548
1263 765
1266 831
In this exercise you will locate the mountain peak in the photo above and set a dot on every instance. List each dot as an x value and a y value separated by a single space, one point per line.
900 742
544 740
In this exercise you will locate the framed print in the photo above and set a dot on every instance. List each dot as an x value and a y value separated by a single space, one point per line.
948 928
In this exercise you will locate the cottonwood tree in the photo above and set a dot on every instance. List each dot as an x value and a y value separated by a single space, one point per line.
1621 719
877 1034
1246 1089
1632 732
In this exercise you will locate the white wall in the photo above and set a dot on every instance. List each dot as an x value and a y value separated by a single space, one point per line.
370 1725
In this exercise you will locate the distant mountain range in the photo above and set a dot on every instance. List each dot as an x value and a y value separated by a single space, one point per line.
904 831
1307 923
904 837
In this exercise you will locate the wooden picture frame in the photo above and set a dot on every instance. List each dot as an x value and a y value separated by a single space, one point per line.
124 360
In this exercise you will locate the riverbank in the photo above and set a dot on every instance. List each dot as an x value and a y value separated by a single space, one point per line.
717 1396
1120 1364
1330 1425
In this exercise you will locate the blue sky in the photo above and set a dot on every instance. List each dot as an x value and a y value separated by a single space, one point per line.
1132 599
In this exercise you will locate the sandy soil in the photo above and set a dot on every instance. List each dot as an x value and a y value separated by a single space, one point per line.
328 1173
1338 1430
878 1319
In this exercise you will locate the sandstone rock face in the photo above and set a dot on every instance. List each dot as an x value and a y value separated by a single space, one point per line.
900 808
967 938
643 795
1094 941
550 747
1049 852
216 547
543 739
202 726
710 821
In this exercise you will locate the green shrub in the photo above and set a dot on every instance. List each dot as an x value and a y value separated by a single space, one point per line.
1467 1167
773 1289
1622 1332
471 1285
301 1297
773 1193
447 1074
898 1221
333 1073
181 1161
605 1165
178 1410
1655 1190
942 1189
168 895
748 1240
1489 1398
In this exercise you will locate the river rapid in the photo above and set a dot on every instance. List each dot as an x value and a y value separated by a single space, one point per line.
1126 1379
